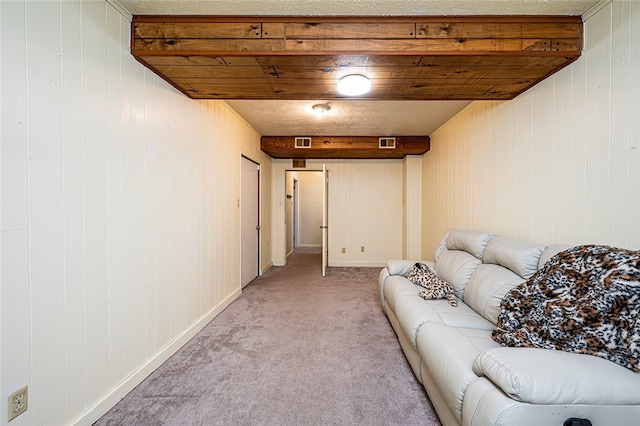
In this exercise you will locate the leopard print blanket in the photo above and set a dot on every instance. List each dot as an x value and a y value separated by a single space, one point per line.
584 300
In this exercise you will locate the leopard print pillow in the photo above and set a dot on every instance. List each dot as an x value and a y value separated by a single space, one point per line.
435 287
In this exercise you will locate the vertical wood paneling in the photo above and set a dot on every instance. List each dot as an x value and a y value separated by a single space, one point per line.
95 154
578 150
16 314
598 142
338 194
177 212
120 231
75 362
190 282
480 178
133 204
46 229
150 213
115 246
542 155
506 169
15 203
15 306
523 178
562 135
162 123
572 150
216 197
633 194
412 196
619 114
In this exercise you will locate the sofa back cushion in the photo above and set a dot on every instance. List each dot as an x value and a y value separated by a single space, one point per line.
520 257
506 264
551 251
458 255
473 242
456 267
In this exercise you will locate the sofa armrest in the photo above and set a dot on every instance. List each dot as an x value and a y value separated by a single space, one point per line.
402 266
545 376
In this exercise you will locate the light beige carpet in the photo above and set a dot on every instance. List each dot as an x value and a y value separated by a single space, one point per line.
294 349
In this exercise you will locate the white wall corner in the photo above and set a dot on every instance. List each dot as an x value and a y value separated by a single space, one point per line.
121 9
595 9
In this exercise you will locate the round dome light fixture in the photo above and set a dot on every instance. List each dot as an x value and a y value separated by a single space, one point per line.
354 85
320 109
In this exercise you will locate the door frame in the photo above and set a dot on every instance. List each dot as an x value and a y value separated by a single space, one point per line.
295 212
259 217
295 229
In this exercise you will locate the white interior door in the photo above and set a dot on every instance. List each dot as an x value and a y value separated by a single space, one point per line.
250 220
325 218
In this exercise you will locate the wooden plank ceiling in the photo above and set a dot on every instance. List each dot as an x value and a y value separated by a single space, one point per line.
406 58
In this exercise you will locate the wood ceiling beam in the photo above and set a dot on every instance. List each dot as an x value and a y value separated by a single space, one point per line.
406 58
354 147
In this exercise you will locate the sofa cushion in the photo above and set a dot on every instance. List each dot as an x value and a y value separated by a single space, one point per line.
520 257
456 267
551 251
545 376
442 245
473 242
487 287
448 354
412 311
402 266
486 404
395 286
507 263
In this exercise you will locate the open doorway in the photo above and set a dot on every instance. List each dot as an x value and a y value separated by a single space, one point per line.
304 211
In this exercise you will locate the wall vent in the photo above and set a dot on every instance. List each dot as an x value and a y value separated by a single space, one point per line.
303 143
386 143
299 164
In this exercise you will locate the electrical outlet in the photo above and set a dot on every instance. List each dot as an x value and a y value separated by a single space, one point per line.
344 250
362 249
18 403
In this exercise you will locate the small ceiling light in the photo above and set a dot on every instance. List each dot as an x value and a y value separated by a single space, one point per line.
354 85
320 109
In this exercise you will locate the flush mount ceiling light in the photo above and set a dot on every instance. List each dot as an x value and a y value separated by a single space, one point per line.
354 85
320 109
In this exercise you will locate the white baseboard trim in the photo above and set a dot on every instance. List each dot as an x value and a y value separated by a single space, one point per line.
266 268
94 413
364 263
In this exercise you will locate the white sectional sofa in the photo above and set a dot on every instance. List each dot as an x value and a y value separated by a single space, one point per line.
471 379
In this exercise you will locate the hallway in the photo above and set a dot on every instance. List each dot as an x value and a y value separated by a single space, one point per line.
295 348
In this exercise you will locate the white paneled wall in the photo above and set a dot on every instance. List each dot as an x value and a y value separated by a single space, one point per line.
365 209
120 217
560 163
412 196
